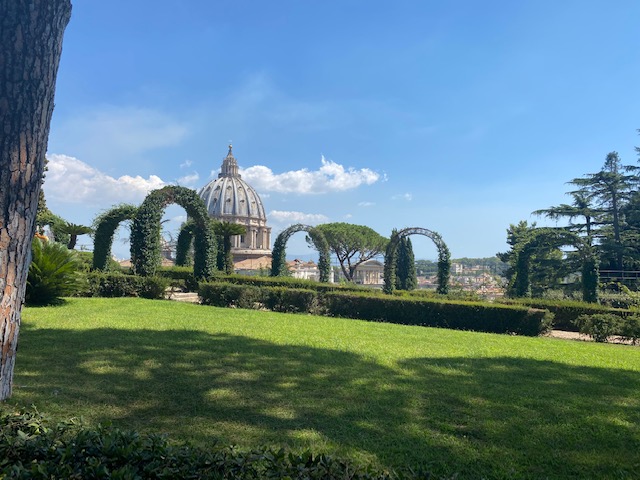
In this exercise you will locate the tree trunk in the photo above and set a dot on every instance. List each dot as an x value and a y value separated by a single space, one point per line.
30 46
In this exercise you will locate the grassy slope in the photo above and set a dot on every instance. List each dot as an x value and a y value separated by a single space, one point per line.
479 404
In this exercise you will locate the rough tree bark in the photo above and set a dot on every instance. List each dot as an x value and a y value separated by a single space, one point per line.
31 34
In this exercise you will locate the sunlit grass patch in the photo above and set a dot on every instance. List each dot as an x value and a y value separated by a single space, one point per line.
479 405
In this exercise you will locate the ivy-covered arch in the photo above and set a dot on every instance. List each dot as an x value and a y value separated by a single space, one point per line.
183 244
105 227
279 254
444 258
553 238
145 233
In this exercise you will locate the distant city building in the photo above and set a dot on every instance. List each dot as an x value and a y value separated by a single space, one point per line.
304 270
228 198
370 272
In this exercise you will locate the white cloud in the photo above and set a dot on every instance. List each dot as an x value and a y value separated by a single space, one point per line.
71 180
330 177
186 164
280 216
188 180
348 216
366 204
405 196
112 133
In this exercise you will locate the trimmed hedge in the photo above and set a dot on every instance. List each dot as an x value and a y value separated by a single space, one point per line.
120 285
220 294
31 448
477 316
277 299
566 312
482 317
181 277
290 300
290 282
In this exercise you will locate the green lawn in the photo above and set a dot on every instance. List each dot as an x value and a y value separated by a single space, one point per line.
480 405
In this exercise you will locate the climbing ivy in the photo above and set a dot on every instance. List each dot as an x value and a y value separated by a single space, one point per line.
278 256
185 238
105 227
553 238
145 233
390 258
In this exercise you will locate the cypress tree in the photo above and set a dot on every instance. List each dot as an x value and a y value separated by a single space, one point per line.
406 278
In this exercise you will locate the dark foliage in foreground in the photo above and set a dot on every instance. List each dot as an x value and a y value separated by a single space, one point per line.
29 448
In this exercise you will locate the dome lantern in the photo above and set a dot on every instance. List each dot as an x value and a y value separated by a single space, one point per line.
229 166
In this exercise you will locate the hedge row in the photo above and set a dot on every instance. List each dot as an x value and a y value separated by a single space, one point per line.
120 285
477 316
181 277
277 299
482 317
30 448
566 312
289 282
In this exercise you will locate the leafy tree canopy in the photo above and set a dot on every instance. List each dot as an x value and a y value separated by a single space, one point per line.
352 244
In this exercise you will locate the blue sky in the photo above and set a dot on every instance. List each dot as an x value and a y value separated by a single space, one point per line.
460 116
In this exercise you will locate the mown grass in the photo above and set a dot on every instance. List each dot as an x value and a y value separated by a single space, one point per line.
451 402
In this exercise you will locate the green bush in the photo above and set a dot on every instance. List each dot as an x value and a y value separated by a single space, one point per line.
220 294
600 326
477 316
453 294
86 262
367 305
32 449
630 329
289 282
291 300
566 312
53 273
120 285
181 277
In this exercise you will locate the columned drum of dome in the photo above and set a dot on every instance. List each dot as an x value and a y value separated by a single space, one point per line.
228 198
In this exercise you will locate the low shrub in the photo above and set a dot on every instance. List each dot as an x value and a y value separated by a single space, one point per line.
477 316
365 305
630 329
289 282
599 326
452 294
618 295
220 294
120 285
86 261
566 312
291 300
54 273
31 448
181 277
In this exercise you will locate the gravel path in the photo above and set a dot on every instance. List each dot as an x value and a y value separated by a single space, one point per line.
581 337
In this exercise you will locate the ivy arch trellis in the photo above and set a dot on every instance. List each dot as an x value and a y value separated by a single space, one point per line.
278 259
145 233
556 238
185 237
444 258
106 225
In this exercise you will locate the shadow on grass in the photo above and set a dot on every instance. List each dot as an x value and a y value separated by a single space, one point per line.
496 417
